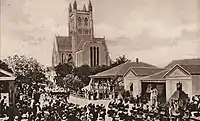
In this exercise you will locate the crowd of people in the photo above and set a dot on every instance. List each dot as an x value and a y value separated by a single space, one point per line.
45 105
35 103
137 110
124 109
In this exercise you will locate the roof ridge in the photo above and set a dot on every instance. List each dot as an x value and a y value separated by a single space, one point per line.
63 36
188 65
155 73
187 59
145 67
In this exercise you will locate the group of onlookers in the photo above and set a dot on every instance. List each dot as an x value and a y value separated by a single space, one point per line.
38 104
136 110
44 105
125 110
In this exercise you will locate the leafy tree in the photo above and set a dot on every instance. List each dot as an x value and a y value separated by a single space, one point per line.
27 70
119 60
63 69
98 69
83 73
69 81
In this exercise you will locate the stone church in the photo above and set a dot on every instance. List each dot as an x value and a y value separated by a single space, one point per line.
80 46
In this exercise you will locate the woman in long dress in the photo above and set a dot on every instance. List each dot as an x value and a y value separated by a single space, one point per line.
153 96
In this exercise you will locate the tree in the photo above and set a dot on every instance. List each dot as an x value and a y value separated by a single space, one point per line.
70 81
98 69
27 70
63 69
83 73
119 60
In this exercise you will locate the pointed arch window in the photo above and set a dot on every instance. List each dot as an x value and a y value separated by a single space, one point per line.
86 31
97 56
79 31
89 31
91 56
79 21
86 21
94 56
62 58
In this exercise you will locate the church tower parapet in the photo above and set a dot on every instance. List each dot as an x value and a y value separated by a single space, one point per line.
80 22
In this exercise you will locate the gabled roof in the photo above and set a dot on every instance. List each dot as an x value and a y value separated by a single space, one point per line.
86 38
5 75
188 69
82 40
177 66
99 39
145 71
195 61
156 76
121 69
192 69
64 43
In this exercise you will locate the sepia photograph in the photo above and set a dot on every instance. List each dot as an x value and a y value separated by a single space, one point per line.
100 60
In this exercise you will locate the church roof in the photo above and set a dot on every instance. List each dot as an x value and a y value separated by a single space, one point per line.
83 39
195 61
121 69
99 39
64 43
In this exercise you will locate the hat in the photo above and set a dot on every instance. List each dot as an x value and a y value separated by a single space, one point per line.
100 118
101 112
117 116
24 116
64 117
91 115
16 117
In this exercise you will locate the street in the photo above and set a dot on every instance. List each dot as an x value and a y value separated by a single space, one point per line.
83 102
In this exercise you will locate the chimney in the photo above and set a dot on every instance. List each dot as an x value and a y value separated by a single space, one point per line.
137 60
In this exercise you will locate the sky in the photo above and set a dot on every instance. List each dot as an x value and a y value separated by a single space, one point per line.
155 31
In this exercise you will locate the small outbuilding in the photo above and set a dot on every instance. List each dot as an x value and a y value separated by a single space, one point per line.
188 75
7 87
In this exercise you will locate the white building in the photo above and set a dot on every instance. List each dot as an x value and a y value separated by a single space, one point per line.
188 75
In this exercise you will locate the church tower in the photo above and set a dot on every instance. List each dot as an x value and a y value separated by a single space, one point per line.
80 45
80 21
